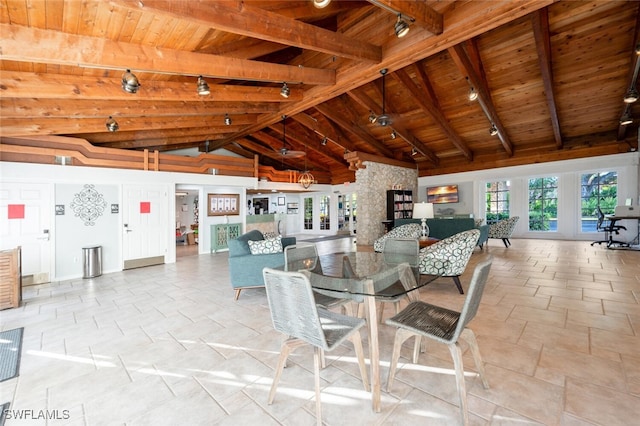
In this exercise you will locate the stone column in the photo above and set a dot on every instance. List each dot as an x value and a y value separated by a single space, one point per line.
373 183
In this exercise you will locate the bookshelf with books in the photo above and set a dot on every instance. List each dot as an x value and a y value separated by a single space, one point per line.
399 204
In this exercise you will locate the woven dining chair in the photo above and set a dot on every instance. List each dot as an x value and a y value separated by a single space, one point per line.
396 251
295 314
446 326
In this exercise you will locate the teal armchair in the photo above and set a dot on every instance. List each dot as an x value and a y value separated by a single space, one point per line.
245 269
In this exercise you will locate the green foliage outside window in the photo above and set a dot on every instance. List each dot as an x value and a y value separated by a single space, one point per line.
497 201
543 202
599 189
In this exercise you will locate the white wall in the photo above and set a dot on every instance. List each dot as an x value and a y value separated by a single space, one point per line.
472 191
74 233
64 239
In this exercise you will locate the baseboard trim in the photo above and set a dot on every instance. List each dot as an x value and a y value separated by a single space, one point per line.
140 263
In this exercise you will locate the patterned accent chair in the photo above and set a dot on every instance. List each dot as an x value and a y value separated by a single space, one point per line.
504 229
410 230
449 257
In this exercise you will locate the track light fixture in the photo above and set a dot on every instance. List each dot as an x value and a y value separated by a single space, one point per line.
493 130
626 118
372 118
130 83
631 96
285 91
203 87
393 134
320 4
414 152
112 125
473 95
324 141
401 27
227 120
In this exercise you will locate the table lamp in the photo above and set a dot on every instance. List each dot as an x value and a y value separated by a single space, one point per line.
423 211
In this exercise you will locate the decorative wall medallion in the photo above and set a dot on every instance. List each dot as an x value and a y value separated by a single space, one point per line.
88 205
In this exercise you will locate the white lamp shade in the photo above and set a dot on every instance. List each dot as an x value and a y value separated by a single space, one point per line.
423 210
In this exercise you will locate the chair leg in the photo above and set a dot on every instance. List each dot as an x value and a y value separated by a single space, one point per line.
470 337
357 345
506 242
316 373
456 354
285 349
418 346
360 310
238 290
381 311
401 336
456 279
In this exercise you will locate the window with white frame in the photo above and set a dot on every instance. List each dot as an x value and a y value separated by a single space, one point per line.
497 201
325 209
543 204
597 189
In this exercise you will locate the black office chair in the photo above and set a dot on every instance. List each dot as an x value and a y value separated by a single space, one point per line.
609 228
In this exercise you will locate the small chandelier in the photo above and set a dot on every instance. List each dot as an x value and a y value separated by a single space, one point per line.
306 179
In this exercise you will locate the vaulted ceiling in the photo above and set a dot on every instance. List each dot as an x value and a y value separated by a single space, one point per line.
550 76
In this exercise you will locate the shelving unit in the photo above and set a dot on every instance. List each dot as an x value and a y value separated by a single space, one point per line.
399 204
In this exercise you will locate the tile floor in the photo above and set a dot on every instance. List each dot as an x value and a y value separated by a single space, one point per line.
558 328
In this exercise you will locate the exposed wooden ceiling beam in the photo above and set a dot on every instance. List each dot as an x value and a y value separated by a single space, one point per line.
423 15
340 138
309 140
275 144
465 66
540 22
368 103
87 108
204 133
72 126
60 48
160 144
350 125
437 115
255 147
238 17
466 22
327 130
47 86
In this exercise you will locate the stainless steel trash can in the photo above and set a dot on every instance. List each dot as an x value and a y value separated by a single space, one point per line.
91 261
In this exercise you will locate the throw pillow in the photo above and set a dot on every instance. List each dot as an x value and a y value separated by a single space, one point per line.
270 245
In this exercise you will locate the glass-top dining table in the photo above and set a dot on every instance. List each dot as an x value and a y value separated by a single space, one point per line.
365 277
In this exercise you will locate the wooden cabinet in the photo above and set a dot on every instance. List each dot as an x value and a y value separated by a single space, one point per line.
399 204
222 233
10 278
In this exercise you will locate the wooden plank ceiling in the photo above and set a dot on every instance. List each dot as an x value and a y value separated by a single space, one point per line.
550 76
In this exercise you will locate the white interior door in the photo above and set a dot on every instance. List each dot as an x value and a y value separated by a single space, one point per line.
26 222
145 214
